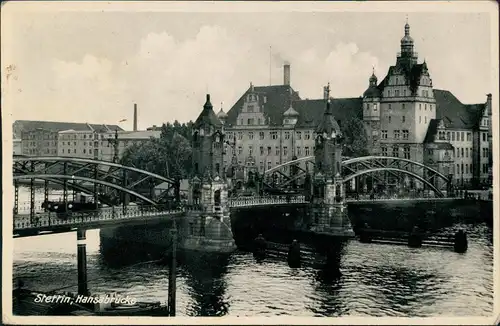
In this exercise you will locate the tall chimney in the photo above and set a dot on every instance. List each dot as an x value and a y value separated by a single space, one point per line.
135 116
286 74
488 104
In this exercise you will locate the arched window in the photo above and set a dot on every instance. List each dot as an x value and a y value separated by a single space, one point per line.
217 168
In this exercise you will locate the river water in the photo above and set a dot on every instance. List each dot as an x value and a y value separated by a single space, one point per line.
375 279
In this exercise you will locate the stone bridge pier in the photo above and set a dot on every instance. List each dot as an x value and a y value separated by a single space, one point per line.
329 210
207 222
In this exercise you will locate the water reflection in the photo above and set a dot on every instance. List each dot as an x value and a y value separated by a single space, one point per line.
205 278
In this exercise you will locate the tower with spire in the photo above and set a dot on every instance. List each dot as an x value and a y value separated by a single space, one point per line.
208 143
328 204
208 191
371 112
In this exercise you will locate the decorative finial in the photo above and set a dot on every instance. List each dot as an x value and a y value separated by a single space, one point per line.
373 69
407 18
328 91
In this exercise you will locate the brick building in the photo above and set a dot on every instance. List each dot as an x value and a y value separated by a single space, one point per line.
403 115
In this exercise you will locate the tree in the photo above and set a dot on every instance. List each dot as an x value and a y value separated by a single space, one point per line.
169 156
356 140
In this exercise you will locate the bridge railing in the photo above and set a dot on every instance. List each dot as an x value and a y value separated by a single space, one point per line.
48 219
270 200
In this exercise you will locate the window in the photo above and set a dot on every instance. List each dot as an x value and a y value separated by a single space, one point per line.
390 106
250 121
397 81
396 134
374 106
395 151
261 165
452 136
425 119
285 150
277 151
389 118
307 153
466 152
406 152
63 150
384 134
268 150
448 135
274 134
484 136
462 152
425 107
90 151
261 150
404 93
261 135
307 135
299 135
420 106
287 135
403 119
298 151
396 92
240 135
403 106
240 150
420 119
259 121
250 135
466 168
469 136
268 165
384 151
84 151
405 134
461 136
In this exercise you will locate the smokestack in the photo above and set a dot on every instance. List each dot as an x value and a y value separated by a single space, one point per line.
135 116
286 73
488 103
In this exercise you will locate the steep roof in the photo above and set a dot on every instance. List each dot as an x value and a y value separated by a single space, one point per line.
25 125
454 113
277 102
412 75
431 131
207 116
311 111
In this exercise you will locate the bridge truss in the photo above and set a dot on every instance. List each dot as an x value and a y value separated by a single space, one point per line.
380 169
108 183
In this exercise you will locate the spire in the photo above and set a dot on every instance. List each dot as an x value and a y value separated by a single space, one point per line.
407 27
373 78
208 105
328 92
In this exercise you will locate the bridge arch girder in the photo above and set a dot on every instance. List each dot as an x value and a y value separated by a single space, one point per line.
116 178
414 175
104 183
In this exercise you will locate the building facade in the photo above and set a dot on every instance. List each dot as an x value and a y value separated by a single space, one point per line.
403 115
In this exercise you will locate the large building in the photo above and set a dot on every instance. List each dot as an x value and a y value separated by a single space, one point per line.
403 115
81 140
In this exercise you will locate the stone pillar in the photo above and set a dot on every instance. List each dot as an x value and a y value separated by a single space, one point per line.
330 212
209 225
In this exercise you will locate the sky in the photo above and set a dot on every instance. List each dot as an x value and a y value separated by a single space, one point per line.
92 66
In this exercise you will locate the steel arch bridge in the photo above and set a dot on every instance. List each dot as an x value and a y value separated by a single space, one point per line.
289 174
108 182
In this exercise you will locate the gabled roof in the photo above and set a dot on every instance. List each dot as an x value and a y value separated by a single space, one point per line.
277 102
454 113
26 125
412 75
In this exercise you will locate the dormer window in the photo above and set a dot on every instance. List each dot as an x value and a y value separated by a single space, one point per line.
374 106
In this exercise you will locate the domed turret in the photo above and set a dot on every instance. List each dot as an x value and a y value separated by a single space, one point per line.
290 112
407 39
221 115
373 90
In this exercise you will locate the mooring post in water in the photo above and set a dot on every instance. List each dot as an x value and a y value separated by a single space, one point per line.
82 262
172 274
